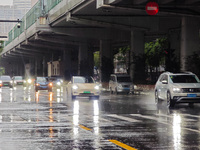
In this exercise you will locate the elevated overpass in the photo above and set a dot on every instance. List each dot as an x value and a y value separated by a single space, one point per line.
70 31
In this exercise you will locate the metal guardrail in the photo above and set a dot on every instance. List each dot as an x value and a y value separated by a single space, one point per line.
30 18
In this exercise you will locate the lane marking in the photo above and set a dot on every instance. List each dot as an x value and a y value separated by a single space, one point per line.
186 119
122 145
124 118
166 123
85 128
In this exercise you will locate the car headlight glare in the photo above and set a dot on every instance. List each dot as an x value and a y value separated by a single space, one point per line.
58 83
96 87
11 81
0 81
176 90
75 87
29 81
24 81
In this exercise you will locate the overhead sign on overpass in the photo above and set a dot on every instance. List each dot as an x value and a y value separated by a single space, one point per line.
152 8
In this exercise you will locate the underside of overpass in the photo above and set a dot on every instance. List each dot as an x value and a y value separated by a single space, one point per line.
72 30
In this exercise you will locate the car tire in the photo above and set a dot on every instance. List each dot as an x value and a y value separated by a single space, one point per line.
170 103
111 92
156 97
116 92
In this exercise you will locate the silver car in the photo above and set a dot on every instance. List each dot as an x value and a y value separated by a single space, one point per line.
178 88
120 83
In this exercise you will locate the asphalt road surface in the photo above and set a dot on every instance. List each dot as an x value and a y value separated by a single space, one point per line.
52 121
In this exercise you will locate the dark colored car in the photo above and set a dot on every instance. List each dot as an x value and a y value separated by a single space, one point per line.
6 81
17 80
42 83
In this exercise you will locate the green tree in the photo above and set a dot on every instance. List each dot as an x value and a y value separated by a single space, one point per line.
96 59
155 52
1 46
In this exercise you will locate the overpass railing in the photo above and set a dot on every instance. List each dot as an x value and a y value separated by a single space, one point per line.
30 18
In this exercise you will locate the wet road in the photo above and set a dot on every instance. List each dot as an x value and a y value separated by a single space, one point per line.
52 121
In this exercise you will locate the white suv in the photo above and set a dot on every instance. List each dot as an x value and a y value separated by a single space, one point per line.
178 88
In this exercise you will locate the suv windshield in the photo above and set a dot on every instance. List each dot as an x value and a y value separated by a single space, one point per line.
184 79
41 79
83 80
123 79
5 78
18 78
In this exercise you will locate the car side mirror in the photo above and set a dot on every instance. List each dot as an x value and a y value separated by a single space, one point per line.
164 82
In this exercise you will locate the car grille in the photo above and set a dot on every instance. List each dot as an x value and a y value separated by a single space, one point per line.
190 90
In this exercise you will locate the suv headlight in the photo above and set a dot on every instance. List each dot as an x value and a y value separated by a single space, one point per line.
176 90
29 80
75 87
96 87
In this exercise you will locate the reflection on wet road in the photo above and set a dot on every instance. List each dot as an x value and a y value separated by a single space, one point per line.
43 120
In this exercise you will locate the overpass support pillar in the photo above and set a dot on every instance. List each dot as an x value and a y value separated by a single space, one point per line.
85 59
189 39
67 64
106 60
137 62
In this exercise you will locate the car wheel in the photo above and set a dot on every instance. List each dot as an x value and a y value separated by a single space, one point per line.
116 92
111 92
170 103
156 97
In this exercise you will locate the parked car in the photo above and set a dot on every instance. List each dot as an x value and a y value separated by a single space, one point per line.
42 83
17 80
120 83
6 81
57 81
83 86
178 88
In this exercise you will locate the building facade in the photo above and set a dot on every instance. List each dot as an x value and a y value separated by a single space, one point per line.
13 12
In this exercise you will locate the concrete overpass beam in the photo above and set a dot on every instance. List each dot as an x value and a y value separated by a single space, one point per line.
189 39
106 60
137 64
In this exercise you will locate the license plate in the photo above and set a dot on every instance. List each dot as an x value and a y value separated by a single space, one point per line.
86 92
192 95
5 84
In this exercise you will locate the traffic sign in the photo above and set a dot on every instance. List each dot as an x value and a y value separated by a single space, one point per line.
152 8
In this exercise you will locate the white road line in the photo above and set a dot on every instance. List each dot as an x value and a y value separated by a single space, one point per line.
124 118
156 119
186 119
